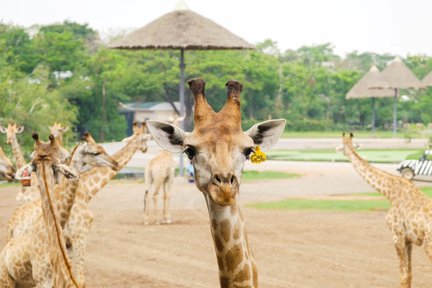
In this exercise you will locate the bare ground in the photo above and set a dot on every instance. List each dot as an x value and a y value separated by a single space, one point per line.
293 249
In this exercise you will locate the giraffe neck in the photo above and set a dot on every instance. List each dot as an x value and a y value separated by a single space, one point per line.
56 242
382 181
65 193
16 150
96 178
237 267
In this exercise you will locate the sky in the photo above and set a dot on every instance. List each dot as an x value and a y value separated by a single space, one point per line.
400 27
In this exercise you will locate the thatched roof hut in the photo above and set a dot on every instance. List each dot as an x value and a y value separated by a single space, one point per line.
399 76
427 80
362 89
182 29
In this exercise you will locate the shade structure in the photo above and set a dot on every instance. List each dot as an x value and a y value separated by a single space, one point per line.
398 76
427 80
362 89
182 29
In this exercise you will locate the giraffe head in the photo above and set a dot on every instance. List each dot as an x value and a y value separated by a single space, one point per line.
58 130
11 130
47 157
7 170
346 143
217 147
91 153
139 129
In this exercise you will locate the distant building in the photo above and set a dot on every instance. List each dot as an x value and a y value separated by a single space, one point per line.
142 111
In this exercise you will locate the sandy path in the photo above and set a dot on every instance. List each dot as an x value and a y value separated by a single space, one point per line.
293 249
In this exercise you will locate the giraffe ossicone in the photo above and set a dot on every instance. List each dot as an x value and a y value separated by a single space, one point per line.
218 149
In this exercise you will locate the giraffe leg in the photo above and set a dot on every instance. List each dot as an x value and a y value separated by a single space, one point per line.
428 247
403 249
78 246
166 199
6 281
155 199
146 207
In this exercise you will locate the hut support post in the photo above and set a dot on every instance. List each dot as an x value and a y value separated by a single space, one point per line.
182 102
373 114
396 96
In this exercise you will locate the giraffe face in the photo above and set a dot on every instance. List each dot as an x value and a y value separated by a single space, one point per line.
91 153
57 129
7 170
11 130
346 143
47 157
217 147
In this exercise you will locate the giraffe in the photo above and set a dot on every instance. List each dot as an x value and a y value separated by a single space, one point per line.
58 130
87 153
11 130
410 215
218 149
160 172
7 170
80 219
47 244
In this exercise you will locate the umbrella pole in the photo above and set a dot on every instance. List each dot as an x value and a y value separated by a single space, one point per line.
182 103
395 112
373 115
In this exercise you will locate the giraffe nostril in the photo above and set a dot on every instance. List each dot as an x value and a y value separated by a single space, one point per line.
232 179
217 179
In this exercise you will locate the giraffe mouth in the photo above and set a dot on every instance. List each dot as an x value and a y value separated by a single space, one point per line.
225 195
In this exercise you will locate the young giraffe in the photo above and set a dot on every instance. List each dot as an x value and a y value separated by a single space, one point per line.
58 130
410 215
218 149
11 130
160 172
51 251
7 170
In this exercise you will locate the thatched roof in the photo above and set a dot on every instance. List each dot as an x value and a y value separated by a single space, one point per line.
427 80
362 88
182 29
397 75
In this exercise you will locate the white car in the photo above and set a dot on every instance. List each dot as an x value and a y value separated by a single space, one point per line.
411 168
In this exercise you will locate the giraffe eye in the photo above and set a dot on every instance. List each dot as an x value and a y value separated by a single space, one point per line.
190 151
247 152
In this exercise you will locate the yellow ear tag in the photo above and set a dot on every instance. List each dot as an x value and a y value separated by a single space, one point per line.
258 156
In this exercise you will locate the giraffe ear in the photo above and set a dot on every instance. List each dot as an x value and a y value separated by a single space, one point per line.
67 171
3 129
266 134
169 137
20 129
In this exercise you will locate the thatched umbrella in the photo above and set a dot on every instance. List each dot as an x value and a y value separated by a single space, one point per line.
427 80
362 89
398 76
182 29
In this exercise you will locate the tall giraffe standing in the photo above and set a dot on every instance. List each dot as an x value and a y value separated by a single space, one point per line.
160 173
410 215
13 259
7 170
11 130
218 149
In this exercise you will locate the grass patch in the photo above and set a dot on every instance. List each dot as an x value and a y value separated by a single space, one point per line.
338 134
253 175
343 205
330 155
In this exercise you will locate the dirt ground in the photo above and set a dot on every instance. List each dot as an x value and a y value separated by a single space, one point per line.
292 249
